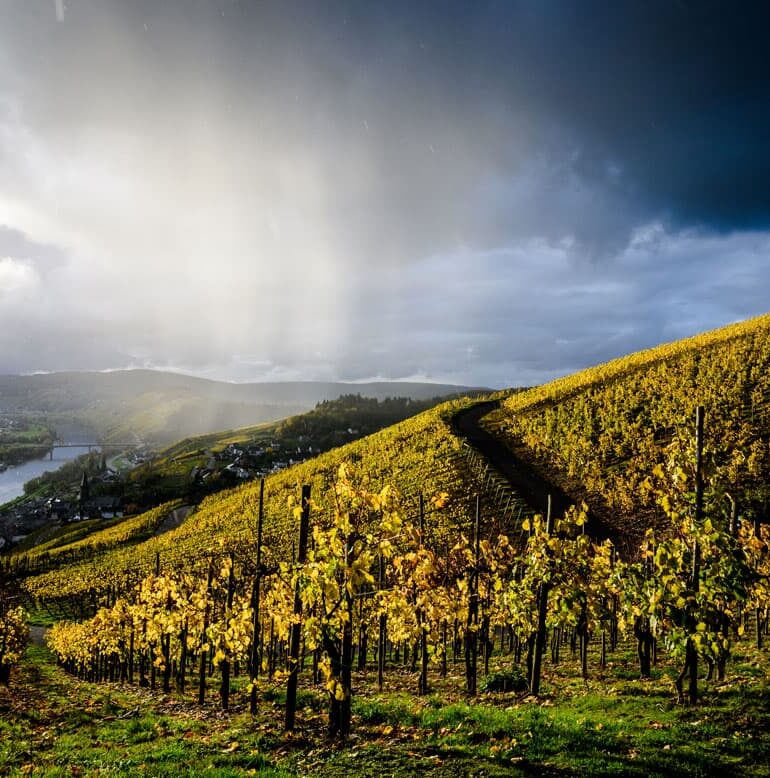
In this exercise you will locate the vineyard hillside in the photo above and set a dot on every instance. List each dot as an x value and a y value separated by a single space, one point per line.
613 434
419 457
397 596
601 435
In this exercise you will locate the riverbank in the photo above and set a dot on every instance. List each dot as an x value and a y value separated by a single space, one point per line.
15 454
14 478
23 438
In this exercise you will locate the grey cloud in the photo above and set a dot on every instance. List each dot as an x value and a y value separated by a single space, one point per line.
16 244
357 189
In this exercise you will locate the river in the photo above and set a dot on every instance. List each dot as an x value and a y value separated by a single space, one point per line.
13 479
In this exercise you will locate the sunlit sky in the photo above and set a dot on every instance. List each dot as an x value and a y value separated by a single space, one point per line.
486 193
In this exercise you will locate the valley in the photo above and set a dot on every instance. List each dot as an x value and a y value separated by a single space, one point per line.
44 493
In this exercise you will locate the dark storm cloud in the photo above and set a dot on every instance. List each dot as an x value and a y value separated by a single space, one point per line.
610 113
674 95
491 191
662 108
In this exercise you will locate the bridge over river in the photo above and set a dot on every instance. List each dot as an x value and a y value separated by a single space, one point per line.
13 478
51 447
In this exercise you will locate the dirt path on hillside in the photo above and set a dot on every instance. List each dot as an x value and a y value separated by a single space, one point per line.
174 519
524 479
37 635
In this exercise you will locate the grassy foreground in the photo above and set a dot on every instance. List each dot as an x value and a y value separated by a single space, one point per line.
614 724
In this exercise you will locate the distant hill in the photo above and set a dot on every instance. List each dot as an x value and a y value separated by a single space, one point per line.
161 407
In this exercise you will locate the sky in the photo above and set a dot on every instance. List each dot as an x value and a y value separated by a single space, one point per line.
485 193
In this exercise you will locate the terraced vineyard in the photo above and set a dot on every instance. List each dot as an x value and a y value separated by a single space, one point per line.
418 456
63 549
612 434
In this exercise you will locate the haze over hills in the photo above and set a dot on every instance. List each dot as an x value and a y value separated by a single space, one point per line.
162 407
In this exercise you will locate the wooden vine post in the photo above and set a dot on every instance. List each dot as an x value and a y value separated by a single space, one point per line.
254 657
696 555
295 634
204 639
759 621
690 669
131 654
472 625
344 711
224 665
183 656
143 657
165 647
444 626
423 682
542 612
733 525
382 635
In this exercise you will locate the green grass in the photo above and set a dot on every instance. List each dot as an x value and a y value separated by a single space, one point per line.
394 710
589 734
613 724
217 441
56 726
24 443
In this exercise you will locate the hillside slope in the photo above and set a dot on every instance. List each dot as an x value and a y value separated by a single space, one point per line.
195 467
611 434
434 569
419 456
